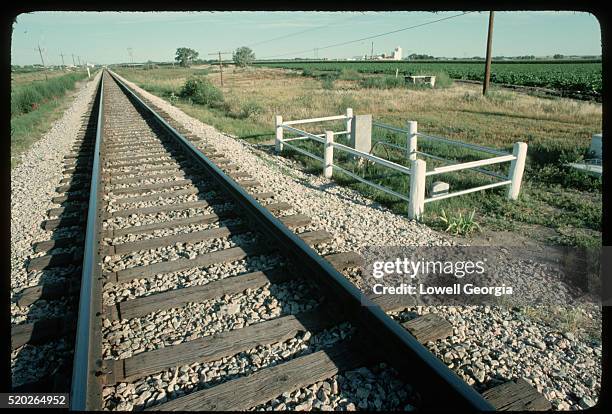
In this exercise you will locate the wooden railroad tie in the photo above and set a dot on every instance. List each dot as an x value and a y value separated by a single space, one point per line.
54 260
48 291
220 256
265 384
41 331
516 395
218 346
429 327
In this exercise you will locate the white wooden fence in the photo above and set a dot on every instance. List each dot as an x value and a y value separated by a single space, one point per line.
418 169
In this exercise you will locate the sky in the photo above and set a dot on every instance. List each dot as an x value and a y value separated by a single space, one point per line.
108 37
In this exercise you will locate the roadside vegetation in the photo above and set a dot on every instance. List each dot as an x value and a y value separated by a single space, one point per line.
35 104
558 205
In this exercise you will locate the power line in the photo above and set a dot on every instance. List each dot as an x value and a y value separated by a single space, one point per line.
300 32
370 37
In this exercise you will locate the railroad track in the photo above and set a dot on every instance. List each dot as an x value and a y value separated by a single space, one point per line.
187 266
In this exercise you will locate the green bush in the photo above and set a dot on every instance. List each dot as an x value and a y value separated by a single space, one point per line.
382 82
327 83
349 74
443 80
347 101
27 98
250 109
202 91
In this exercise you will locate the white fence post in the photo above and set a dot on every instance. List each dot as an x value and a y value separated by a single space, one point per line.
412 140
328 155
349 121
517 166
417 189
278 144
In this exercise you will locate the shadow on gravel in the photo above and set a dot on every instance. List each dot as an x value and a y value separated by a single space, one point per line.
46 338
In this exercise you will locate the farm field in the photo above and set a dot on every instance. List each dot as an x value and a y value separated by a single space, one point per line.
579 77
557 205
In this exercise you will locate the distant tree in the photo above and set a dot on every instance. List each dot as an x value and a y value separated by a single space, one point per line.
243 56
184 56
415 56
558 56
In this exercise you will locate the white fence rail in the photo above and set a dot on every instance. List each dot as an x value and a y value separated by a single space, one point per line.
418 169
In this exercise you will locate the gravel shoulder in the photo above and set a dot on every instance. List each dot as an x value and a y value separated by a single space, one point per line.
33 184
490 344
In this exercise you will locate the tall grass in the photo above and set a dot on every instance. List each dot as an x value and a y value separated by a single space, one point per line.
27 98
382 82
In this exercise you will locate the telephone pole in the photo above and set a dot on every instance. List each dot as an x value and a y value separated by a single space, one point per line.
63 64
43 62
73 62
221 63
372 52
487 76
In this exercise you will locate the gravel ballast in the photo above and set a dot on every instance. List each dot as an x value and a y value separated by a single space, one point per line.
33 184
565 367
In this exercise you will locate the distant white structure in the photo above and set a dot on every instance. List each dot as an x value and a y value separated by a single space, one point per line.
397 53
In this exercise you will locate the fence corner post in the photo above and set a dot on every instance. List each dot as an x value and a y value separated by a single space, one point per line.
417 189
278 143
349 120
412 140
328 155
517 166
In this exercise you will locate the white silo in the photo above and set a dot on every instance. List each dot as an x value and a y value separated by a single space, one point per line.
397 53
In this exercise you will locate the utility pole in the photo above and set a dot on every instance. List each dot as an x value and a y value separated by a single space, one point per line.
221 63
73 62
487 76
79 60
372 52
43 62
63 64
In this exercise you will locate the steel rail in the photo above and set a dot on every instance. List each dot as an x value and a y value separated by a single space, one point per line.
444 389
84 394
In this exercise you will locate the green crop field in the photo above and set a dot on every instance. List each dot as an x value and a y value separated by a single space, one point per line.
578 77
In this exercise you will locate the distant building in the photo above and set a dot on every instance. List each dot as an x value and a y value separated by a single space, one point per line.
395 55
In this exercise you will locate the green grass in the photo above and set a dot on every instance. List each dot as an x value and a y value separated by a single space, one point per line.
34 108
382 82
28 97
